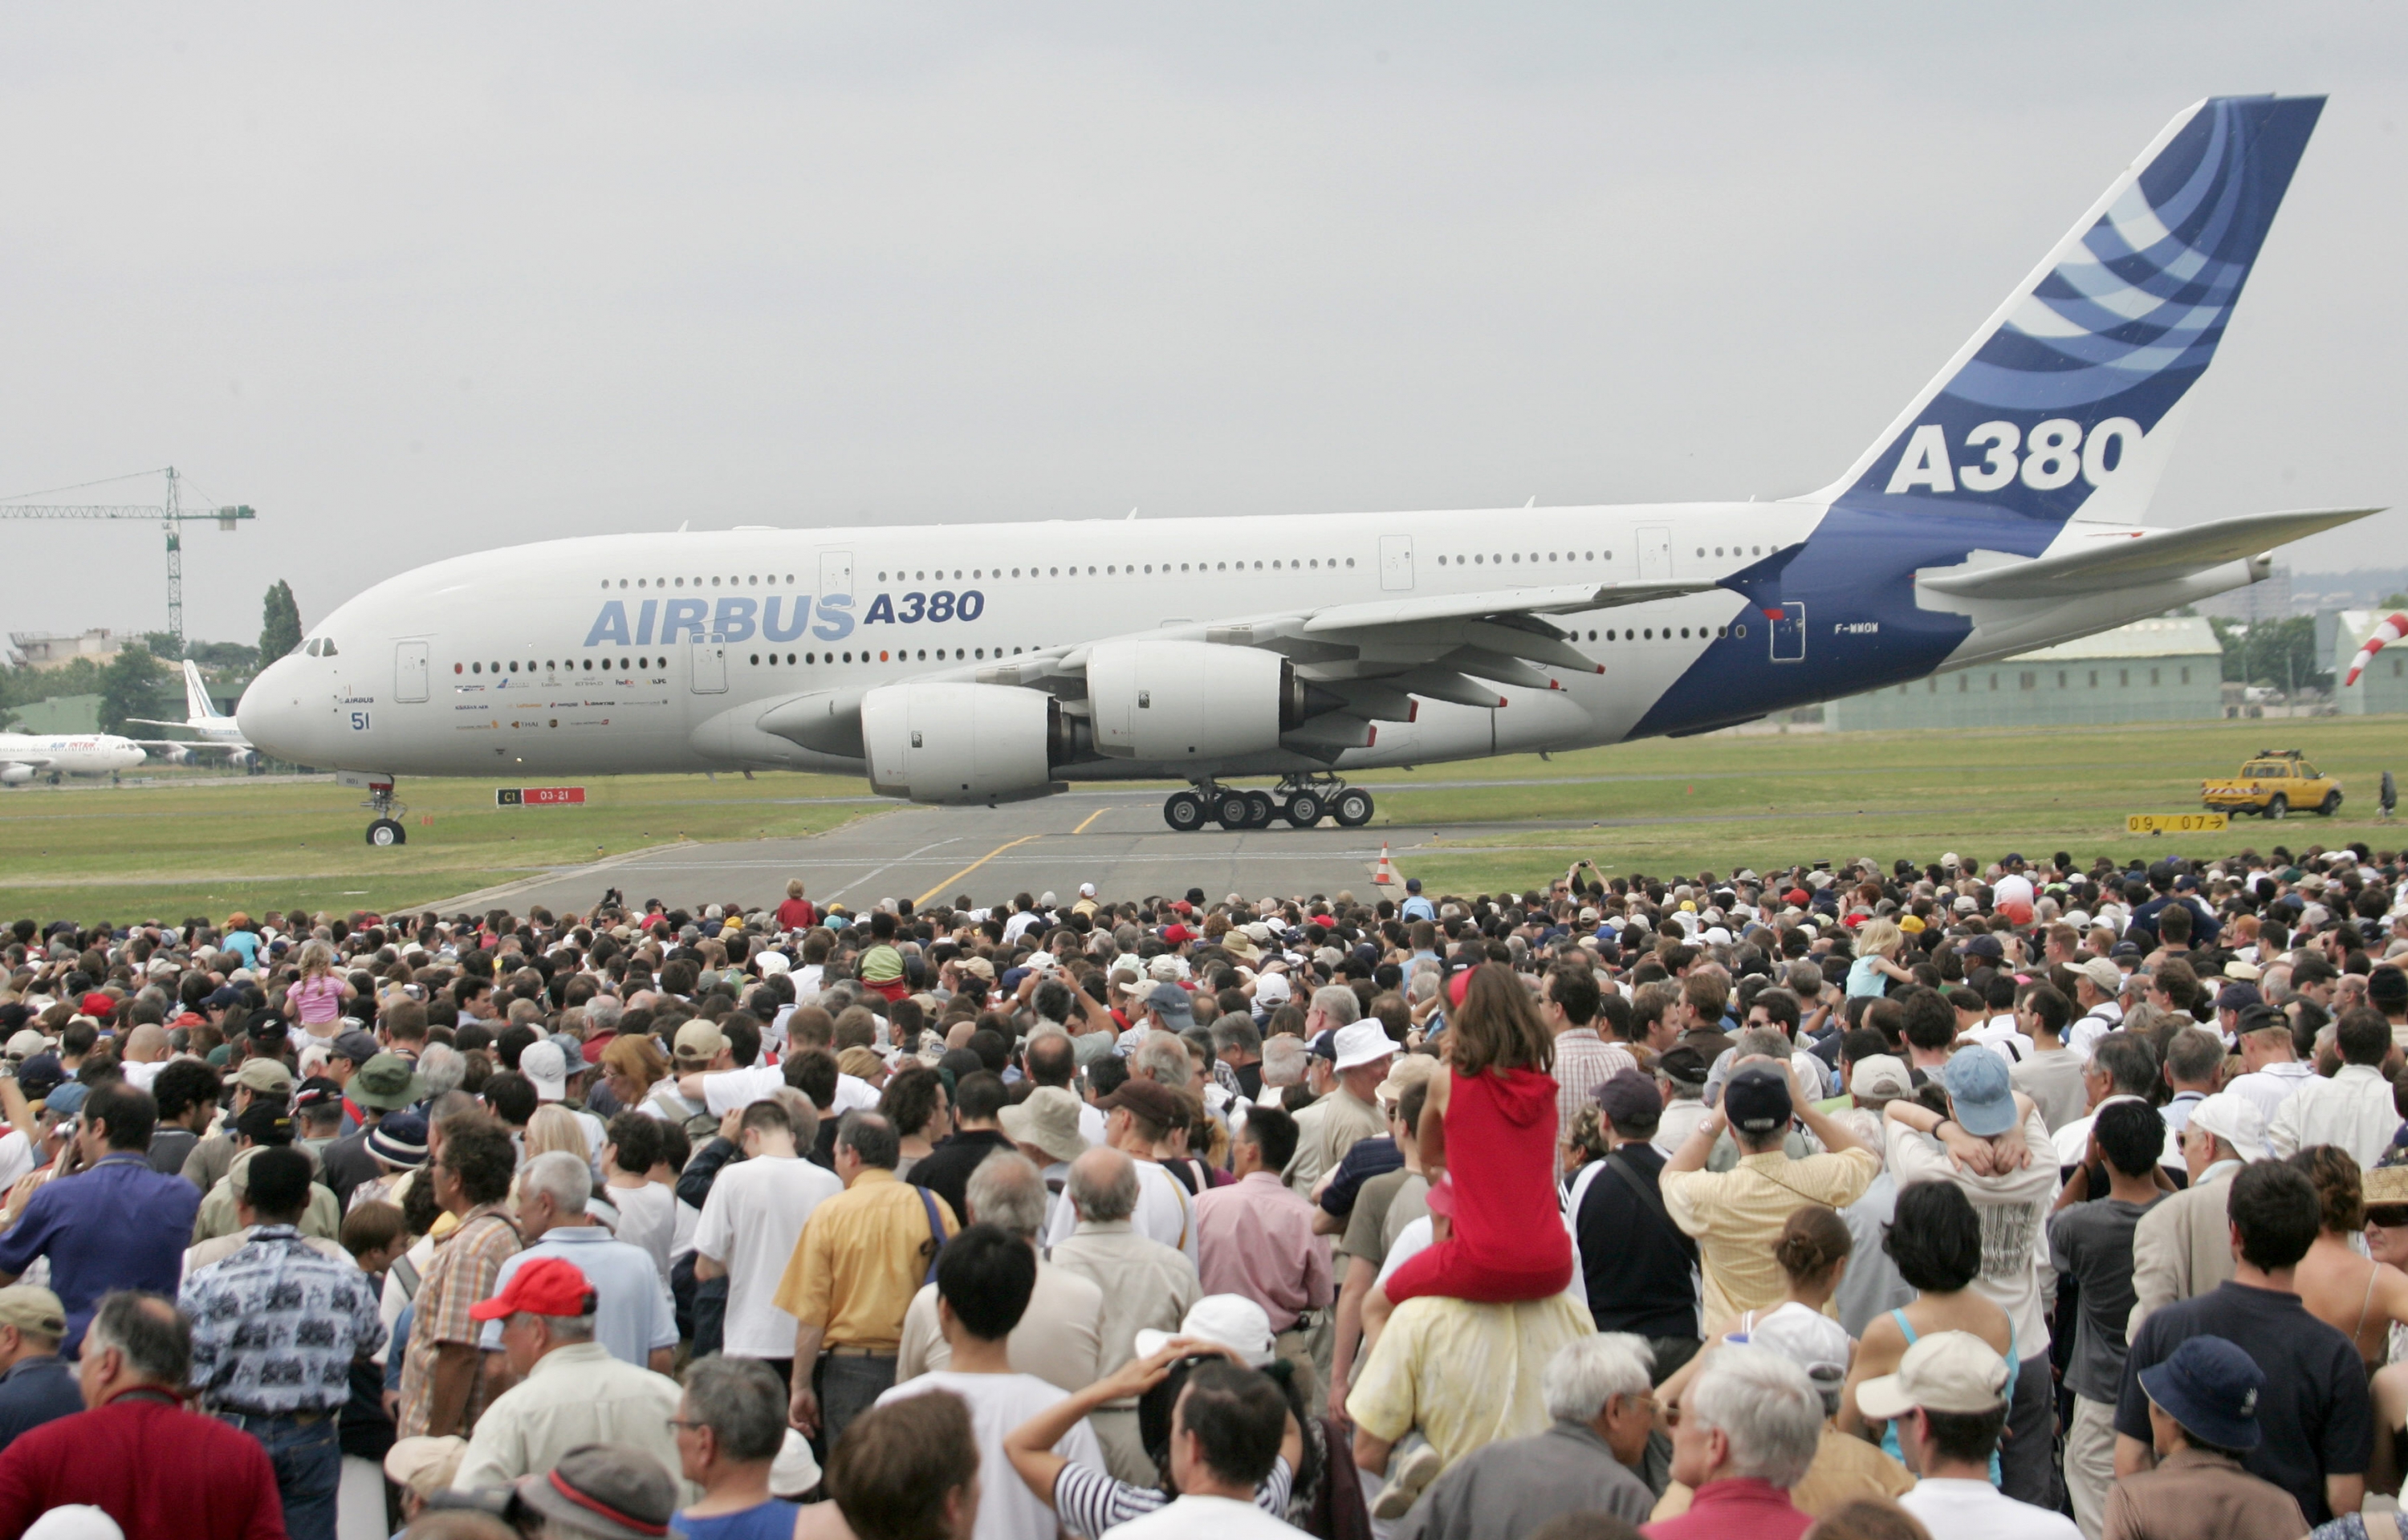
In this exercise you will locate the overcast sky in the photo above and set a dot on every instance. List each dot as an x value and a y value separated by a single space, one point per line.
414 280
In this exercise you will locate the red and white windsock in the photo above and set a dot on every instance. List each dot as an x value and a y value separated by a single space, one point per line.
2393 628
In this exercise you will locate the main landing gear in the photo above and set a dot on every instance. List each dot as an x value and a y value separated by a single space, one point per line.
1303 801
387 829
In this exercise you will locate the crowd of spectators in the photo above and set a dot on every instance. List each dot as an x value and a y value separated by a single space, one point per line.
1970 1199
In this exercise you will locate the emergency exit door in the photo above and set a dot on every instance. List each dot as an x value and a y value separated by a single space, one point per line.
410 670
1396 562
1789 633
708 661
1655 553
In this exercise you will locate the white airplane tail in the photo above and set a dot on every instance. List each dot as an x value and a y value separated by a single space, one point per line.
197 705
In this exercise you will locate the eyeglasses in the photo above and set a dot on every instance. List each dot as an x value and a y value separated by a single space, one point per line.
679 1424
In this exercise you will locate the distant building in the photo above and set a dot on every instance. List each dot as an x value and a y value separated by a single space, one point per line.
2383 686
59 714
2268 599
41 649
2162 670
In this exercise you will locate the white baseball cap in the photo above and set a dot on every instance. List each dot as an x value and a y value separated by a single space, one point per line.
1953 1372
1232 1320
545 1065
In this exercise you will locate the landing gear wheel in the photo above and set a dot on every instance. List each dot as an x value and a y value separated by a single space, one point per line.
1260 810
1304 809
2278 806
2331 805
1351 807
1183 812
387 832
1233 809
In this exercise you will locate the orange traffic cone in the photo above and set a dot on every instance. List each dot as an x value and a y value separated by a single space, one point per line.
1386 875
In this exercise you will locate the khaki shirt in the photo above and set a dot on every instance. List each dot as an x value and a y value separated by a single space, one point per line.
1059 1338
573 1396
861 1257
1145 1284
1736 1217
1326 1131
2194 1496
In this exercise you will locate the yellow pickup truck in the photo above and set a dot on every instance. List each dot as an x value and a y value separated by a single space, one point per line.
2273 784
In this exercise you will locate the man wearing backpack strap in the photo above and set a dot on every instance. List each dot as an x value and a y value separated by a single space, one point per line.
1640 1271
861 1257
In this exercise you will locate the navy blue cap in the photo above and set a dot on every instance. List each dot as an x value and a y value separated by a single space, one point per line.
1756 1099
2211 1387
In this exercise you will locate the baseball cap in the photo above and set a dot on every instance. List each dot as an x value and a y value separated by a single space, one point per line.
2209 1386
424 1465
2261 1018
1881 1076
2238 997
2236 1120
264 1123
1980 1096
1808 1338
1173 1002
1271 989
1047 1120
2104 975
1157 1104
1756 1099
1232 1320
1406 1071
265 1076
385 1083
1984 944
317 1091
1362 1043
699 1042
547 1286
613 1490
1685 1065
1952 1372
66 1100
1628 1095
356 1046
30 1308
1323 1045
548 1067
27 1042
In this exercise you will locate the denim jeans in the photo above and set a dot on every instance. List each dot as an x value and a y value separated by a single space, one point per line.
849 1385
308 1465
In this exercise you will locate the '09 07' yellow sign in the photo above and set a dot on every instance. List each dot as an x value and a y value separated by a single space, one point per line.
2174 823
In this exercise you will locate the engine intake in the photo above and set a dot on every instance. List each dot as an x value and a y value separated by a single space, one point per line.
943 742
1169 701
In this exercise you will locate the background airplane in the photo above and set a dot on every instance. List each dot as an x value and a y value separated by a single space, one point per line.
1999 513
24 757
217 732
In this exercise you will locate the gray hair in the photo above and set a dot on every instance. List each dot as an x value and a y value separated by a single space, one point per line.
1103 1185
1283 1060
1337 1003
742 1401
561 1176
1162 1058
1588 1372
1235 1032
1763 1043
442 1067
154 1338
563 1328
602 1013
1765 1406
1007 1190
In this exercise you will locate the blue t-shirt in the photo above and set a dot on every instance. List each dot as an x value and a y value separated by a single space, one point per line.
245 942
118 1225
772 1520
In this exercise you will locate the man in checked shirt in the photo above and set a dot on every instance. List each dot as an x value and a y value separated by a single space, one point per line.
274 1329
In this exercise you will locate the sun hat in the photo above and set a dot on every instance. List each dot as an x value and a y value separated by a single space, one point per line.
613 1490
1232 1321
2211 1386
1047 1120
386 1083
1363 1043
1950 1372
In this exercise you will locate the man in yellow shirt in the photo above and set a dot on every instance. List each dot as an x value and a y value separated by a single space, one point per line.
861 1257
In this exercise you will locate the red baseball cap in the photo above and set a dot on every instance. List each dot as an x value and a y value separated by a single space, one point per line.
544 1287
98 1003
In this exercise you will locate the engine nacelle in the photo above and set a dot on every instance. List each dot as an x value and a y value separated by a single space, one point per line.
963 743
16 774
1173 701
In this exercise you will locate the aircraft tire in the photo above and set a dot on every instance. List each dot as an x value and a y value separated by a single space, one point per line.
1351 807
1233 810
1260 810
387 832
1304 809
1184 811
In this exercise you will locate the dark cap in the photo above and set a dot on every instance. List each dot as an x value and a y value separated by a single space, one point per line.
1156 1104
1984 944
2261 1018
38 1075
317 1091
268 1030
1756 1099
1323 1045
2238 997
1685 1065
2212 1388
614 1491
1628 1096
355 1046
1171 1001
264 1122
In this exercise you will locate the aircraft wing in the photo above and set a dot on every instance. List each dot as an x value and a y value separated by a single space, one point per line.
2128 557
188 745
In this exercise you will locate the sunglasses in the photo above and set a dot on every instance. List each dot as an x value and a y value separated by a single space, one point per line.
2388 1216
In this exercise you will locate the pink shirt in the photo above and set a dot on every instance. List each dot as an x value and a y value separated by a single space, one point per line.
1255 1237
1746 1509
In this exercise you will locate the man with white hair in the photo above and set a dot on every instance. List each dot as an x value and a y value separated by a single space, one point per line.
1596 1390
634 1319
1750 1425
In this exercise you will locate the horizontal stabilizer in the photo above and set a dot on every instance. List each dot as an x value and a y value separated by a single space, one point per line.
2124 557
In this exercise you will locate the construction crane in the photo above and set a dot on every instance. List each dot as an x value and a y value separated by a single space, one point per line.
171 515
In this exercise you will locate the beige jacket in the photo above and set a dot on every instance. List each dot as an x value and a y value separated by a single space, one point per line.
2182 1248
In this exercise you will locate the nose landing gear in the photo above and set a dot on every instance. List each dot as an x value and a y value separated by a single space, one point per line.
387 829
1302 800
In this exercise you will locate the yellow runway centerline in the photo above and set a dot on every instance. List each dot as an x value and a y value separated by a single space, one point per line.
971 867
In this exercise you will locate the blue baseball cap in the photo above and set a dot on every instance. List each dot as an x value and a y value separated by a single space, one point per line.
2211 1387
1981 1098
66 1101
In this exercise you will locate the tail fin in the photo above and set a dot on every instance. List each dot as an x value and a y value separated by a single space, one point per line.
2067 400
197 705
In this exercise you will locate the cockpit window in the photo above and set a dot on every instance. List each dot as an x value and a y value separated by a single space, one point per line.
311 650
326 647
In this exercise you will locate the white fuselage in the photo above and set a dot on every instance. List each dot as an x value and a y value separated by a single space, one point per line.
25 756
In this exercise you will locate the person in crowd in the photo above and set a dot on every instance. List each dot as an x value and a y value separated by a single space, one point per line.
2183 1247
852 1276
36 1386
2202 1414
1636 1264
2091 1243
2270 1060
568 1391
117 1225
2340 1286
1058 1338
909 1471
1936 1243
275 1330
1748 1432
136 1453
1597 1392
444 1383
1225 1433
1949 1398
1736 1215
752 1222
984 1277
1255 1237
979 1100
2051 1073
1146 1287
1569 1002
380 1085
1138 1116
2317 1419
647 1216
2121 1066
2354 1109
1357 1057
634 1319
730 1428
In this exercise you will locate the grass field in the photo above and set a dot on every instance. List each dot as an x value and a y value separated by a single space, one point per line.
175 848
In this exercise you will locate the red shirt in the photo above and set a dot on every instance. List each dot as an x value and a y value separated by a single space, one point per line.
1722 1510
797 914
161 1472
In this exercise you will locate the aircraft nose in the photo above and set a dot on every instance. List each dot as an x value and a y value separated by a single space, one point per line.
270 713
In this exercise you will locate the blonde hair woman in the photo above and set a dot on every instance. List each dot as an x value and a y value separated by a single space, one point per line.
1877 947
553 1127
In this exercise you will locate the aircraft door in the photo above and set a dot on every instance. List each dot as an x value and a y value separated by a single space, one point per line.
709 660
1655 553
1789 633
410 670
835 573
1396 562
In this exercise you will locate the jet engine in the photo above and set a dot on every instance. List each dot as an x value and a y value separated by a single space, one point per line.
16 774
964 743
1170 701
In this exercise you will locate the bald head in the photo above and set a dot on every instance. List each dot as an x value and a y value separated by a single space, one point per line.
1103 1185
146 1045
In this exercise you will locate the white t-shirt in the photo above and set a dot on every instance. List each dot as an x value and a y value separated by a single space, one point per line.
15 1158
647 1219
1975 1510
750 1223
1220 1517
997 1403
2016 1274
728 1089
1165 1213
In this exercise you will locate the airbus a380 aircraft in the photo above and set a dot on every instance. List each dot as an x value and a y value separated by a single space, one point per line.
987 663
